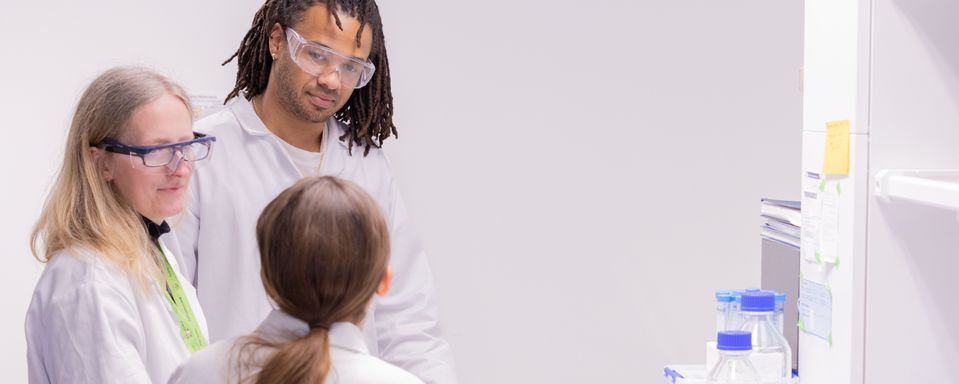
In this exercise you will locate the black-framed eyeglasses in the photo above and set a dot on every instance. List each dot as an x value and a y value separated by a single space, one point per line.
162 155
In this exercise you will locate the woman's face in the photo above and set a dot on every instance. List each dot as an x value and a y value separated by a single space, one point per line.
155 192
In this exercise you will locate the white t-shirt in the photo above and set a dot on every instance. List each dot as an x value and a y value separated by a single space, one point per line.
350 360
89 323
307 162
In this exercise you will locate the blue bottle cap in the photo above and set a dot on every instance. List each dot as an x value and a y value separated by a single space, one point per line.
724 296
738 294
780 297
734 341
761 301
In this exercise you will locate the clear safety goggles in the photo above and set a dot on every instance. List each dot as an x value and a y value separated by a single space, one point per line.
168 155
319 60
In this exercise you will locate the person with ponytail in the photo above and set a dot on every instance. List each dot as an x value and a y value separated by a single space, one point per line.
324 249
111 305
312 97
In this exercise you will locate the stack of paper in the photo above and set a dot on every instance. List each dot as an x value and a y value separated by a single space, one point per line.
782 221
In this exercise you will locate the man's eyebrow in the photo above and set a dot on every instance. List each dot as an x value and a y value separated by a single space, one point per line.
360 59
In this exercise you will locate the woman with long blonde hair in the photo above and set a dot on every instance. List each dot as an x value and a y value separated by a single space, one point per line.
324 249
111 305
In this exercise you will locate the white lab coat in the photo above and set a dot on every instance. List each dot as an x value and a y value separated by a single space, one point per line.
350 360
89 322
216 239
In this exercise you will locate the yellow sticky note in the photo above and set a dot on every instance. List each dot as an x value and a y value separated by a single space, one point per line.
836 158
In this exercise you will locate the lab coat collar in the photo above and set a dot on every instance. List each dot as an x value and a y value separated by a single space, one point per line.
252 124
280 326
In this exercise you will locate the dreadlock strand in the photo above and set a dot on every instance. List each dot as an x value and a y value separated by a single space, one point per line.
368 10
249 54
331 6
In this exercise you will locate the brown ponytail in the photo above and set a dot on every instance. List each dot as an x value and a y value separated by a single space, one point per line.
324 248
304 360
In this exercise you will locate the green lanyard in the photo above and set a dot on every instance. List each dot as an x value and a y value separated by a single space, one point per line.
189 329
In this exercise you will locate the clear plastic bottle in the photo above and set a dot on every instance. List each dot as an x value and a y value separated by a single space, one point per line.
734 320
771 354
724 302
733 366
780 306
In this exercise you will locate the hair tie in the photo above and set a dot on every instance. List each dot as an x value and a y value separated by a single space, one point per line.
323 326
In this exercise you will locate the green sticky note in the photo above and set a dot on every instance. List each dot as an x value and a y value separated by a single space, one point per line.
830 340
801 325
818 258
822 185
801 278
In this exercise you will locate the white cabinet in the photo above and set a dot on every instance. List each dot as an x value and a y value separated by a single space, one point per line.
892 68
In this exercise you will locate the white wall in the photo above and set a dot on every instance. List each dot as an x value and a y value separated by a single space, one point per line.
584 174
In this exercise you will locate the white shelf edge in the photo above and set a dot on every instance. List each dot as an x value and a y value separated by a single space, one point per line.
935 187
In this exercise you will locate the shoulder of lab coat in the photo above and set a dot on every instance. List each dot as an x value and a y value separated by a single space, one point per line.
183 238
406 320
351 362
207 366
403 327
82 325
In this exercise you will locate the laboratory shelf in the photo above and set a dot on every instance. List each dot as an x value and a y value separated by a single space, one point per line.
939 187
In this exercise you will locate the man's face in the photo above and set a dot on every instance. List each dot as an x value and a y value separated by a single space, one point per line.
315 98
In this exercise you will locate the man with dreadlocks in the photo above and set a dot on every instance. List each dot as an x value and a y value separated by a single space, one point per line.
312 97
